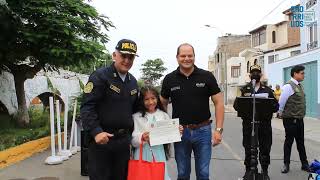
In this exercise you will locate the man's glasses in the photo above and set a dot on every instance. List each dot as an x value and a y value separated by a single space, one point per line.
127 56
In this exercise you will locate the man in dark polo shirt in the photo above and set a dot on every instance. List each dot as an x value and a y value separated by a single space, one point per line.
190 88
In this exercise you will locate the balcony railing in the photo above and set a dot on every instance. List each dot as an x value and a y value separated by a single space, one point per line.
312 45
310 3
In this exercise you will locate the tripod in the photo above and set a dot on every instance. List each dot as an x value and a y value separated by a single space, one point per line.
254 175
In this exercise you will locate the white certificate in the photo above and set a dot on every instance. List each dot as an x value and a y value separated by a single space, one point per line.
164 132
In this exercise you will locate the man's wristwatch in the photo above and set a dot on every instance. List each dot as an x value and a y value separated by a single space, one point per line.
220 130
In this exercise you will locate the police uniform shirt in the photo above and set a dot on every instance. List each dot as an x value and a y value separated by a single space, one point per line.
189 95
108 101
247 91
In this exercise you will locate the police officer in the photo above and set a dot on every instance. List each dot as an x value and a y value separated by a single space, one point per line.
109 102
264 131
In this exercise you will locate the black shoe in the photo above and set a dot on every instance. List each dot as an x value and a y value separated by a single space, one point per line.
265 175
285 169
246 175
305 167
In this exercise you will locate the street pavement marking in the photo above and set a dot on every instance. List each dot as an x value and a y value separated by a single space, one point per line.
235 155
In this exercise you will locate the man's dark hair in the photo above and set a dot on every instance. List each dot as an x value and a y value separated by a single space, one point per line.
185 44
297 69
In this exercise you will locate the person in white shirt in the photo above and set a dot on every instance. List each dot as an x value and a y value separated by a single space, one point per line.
292 109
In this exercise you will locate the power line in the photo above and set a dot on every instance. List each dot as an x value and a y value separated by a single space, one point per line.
269 13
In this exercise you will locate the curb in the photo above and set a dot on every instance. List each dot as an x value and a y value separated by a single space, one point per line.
18 153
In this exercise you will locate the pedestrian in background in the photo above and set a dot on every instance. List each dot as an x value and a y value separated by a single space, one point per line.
277 93
292 110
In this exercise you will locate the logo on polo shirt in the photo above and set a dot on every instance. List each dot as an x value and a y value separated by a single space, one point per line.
175 88
200 84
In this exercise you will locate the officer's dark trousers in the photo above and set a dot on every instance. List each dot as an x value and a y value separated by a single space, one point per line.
264 142
109 161
294 129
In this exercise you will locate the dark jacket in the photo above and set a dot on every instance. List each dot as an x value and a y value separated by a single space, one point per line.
109 102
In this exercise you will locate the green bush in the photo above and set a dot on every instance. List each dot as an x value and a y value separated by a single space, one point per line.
39 127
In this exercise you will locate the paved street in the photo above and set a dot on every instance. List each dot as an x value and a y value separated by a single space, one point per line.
227 160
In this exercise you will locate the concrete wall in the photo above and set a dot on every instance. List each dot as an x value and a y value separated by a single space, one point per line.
283 54
281 35
275 72
234 84
8 92
66 82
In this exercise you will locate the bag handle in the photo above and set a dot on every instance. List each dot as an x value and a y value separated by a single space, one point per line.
141 147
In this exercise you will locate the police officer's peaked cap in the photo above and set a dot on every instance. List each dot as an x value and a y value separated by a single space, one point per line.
127 46
255 67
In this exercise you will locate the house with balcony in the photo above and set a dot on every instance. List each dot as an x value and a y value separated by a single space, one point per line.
228 46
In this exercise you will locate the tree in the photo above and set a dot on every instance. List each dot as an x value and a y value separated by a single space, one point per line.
48 35
88 68
152 71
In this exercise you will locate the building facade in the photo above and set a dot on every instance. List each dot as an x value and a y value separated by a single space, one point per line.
279 71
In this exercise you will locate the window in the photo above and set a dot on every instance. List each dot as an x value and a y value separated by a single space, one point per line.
271 59
261 62
262 37
235 71
310 33
255 39
259 38
255 61
273 37
310 3
294 53
313 36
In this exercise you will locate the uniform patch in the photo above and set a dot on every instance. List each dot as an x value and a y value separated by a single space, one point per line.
115 88
200 84
247 94
133 92
88 87
175 88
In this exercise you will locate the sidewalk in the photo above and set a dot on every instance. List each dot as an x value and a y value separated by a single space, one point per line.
311 125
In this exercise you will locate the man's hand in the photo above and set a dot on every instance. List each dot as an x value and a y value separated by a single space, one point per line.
216 138
181 129
102 138
280 114
145 136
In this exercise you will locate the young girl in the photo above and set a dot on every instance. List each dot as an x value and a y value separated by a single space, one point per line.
150 110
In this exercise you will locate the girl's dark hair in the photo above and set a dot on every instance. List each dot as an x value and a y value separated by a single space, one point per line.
142 109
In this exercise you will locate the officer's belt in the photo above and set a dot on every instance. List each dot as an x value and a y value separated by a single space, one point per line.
118 132
196 126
